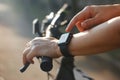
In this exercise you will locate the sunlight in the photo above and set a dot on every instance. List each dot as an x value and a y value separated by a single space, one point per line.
82 33
110 21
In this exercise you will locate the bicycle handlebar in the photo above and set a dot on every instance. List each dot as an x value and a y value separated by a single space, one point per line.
46 62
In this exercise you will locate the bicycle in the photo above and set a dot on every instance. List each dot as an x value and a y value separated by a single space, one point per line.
50 28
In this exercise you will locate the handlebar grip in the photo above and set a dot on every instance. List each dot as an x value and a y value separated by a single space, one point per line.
24 67
46 63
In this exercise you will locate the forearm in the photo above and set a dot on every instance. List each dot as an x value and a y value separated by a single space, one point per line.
117 8
101 38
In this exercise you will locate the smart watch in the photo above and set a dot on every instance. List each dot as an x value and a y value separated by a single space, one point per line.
63 44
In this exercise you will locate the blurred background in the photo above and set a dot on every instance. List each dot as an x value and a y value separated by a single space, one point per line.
16 18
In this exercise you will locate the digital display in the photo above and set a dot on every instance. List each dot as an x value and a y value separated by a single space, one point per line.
64 38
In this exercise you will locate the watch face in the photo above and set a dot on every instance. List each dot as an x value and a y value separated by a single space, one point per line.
64 39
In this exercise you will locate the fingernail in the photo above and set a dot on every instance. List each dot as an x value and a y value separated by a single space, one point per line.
67 30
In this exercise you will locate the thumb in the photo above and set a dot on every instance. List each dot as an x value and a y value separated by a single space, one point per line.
78 25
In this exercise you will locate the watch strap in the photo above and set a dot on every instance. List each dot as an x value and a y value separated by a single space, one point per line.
65 51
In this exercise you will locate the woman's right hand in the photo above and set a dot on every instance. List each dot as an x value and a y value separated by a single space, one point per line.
93 15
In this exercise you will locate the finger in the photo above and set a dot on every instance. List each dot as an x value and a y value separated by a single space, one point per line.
25 52
71 24
31 54
78 25
81 16
78 17
89 23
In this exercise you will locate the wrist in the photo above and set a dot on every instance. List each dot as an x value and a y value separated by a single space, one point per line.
56 49
58 52
74 45
63 44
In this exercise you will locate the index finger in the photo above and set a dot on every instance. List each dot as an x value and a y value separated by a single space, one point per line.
72 23
81 16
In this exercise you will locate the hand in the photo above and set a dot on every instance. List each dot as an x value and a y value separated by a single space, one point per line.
93 15
41 46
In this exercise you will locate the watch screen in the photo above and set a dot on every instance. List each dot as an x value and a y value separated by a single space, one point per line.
64 38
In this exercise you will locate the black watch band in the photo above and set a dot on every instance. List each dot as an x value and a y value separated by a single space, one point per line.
64 43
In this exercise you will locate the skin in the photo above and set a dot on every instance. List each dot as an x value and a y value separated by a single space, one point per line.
93 15
102 38
100 26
